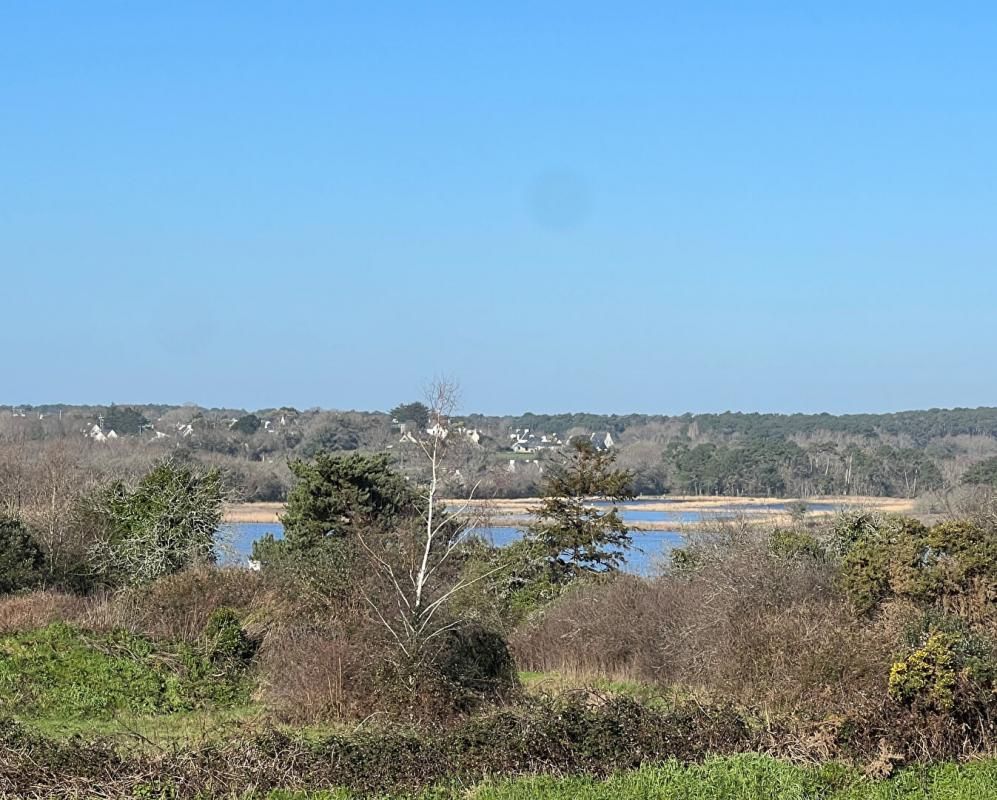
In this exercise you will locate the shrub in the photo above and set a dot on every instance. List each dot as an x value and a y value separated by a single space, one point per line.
947 667
21 559
952 566
161 526
477 660
226 641
796 544
25 612
61 671
928 675
738 623
178 607
309 675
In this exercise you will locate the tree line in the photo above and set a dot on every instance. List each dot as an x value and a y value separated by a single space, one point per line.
903 454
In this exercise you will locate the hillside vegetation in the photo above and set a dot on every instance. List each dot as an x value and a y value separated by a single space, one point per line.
903 454
383 649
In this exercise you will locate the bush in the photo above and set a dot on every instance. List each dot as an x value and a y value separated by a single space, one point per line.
163 525
478 661
63 672
928 675
739 623
946 668
797 544
225 640
951 566
21 559
308 675
565 736
179 607
25 612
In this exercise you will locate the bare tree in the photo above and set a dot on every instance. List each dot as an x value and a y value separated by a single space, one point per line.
418 563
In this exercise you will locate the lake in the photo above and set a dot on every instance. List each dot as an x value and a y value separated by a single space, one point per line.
649 547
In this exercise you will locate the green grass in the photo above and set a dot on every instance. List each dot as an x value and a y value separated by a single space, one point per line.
157 730
557 683
61 675
748 777
756 778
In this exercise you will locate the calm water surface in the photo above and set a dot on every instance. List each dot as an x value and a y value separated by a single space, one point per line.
649 547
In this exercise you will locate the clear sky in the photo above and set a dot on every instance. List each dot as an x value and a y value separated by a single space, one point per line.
609 207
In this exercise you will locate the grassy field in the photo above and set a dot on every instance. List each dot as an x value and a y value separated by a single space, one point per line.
756 778
749 777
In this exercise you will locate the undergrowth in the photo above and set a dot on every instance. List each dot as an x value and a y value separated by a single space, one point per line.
62 672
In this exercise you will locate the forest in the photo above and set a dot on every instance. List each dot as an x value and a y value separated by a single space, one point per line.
907 454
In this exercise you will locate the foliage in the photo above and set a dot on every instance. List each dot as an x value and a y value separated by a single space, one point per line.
740 623
478 661
732 454
562 736
795 544
334 495
928 675
226 640
247 424
417 413
576 535
947 667
952 565
124 420
263 767
21 559
162 525
59 671
507 584
777 466
332 436
983 473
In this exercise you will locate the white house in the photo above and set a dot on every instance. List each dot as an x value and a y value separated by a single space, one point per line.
602 440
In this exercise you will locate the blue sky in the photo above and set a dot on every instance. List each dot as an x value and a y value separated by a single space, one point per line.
609 207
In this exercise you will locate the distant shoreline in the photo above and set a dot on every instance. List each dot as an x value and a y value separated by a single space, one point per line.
516 511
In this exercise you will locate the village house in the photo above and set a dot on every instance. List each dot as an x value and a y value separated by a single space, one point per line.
526 441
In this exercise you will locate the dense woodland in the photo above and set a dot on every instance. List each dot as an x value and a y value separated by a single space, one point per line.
904 454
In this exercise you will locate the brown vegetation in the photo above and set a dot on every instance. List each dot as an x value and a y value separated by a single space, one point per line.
747 626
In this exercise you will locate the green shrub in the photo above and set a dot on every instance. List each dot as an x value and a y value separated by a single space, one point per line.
21 558
789 544
161 526
226 640
60 671
928 675
947 668
951 566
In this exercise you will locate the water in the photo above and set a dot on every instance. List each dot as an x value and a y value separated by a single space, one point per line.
649 547
236 539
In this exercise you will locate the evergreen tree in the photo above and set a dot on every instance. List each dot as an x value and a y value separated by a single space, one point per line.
577 535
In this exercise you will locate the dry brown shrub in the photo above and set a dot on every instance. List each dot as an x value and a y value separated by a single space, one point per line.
309 675
746 626
177 607
38 609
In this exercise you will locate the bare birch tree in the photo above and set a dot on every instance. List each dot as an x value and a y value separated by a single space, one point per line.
418 563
